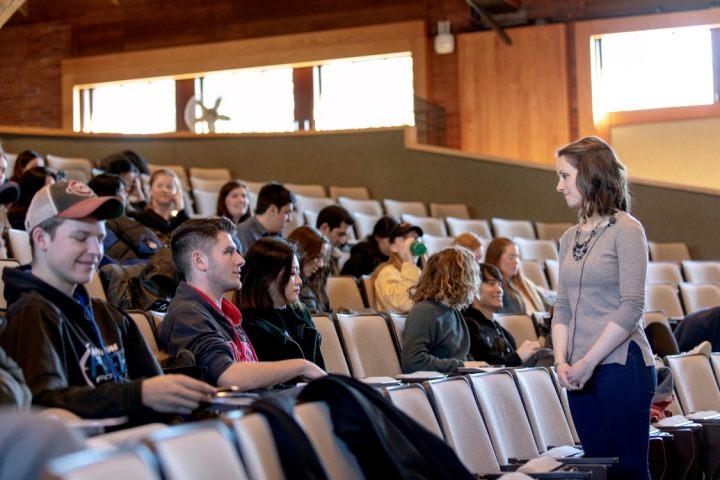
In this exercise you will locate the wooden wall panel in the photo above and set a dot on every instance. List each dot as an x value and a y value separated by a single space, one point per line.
514 99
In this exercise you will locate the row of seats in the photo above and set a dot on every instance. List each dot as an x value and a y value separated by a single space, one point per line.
695 296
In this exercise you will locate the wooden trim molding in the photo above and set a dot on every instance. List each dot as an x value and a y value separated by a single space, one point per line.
587 31
283 50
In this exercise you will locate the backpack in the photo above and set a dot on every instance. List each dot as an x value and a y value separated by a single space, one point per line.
13 390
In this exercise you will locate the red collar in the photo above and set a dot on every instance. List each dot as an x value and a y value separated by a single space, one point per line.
230 311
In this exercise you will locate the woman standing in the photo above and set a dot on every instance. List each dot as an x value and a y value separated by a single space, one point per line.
234 202
279 327
602 355
165 210
312 250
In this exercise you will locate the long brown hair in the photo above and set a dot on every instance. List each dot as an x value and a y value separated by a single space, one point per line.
451 275
225 190
309 243
494 251
268 263
601 177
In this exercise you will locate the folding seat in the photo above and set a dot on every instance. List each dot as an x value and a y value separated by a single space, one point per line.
697 296
458 226
355 205
715 362
358 193
367 289
75 168
552 230
533 271
135 463
208 185
206 202
19 245
147 328
369 345
553 271
398 322
343 292
257 446
412 400
336 457
397 208
5 263
668 252
662 296
435 244
95 287
513 228
365 224
664 272
332 352
695 382
306 190
210 173
254 187
540 250
314 204
656 316
429 225
701 272
455 210
521 326
204 449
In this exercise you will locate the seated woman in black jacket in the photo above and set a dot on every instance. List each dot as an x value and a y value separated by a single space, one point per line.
365 256
165 210
489 341
278 326
312 249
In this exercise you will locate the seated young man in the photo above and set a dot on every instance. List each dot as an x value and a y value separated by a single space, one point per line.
334 221
202 321
77 353
491 343
273 211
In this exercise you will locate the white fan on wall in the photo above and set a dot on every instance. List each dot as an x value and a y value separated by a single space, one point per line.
208 115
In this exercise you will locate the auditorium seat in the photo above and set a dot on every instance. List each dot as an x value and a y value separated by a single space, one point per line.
358 193
435 244
370 346
365 224
552 230
332 352
540 250
512 228
533 271
662 296
135 463
75 168
397 208
697 296
366 207
343 292
458 226
520 325
208 185
429 225
210 173
206 202
306 190
701 272
669 251
314 204
455 210
664 272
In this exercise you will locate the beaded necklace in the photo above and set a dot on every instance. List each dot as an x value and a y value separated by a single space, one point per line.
580 249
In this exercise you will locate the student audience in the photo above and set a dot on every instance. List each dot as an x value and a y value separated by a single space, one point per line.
436 337
165 210
78 353
273 211
127 240
312 248
393 278
520 295
278 326
25 161
333 221
366 255
202 321
30 183
234 202
491 343
472 242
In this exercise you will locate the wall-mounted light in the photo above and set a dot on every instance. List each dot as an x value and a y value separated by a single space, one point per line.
445 41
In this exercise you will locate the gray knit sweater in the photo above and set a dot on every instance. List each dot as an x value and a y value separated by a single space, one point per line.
607 285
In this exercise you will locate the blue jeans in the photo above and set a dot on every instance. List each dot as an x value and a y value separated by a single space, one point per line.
612 414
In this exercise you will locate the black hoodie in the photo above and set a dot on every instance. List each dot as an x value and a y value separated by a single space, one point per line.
51 336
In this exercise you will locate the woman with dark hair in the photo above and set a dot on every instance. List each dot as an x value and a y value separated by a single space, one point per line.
436 337
312 248
365 256
491 343
25 161
602 356
30 183
133 187
520 294
165 210
234 202
279 327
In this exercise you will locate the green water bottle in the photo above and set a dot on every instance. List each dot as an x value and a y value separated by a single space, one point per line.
418 249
